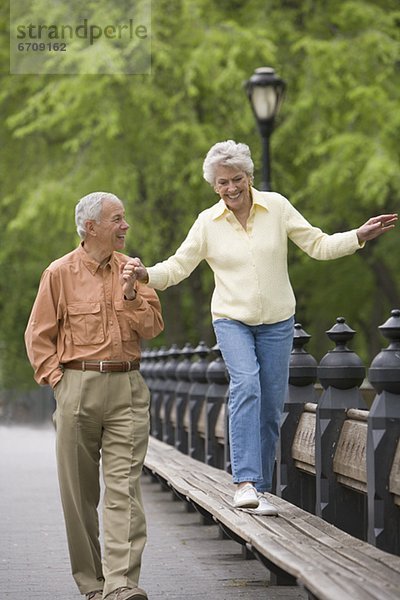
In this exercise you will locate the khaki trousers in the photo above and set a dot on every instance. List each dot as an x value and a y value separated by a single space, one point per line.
102 415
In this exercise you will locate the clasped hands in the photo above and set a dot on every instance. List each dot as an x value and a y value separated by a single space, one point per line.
130 271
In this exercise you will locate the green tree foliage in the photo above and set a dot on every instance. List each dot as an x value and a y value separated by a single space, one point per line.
342 129
335 153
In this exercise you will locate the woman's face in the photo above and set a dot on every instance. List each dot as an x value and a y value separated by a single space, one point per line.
233 186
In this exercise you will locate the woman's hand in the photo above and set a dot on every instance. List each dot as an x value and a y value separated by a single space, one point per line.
375 226
140 270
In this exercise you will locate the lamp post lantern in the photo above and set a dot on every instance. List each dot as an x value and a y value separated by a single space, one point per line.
265 91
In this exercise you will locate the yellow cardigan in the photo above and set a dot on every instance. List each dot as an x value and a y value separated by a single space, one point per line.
250 266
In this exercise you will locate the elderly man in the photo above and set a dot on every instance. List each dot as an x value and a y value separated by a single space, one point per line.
83 339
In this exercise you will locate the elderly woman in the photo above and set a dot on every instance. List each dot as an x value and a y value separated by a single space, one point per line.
243 237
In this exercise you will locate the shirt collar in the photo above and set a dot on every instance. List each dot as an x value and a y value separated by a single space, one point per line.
259 199
92 265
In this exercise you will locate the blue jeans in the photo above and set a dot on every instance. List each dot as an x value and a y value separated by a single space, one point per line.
257 359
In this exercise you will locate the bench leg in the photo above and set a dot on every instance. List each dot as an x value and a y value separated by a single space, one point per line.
278 576
221 534
205 517
247 554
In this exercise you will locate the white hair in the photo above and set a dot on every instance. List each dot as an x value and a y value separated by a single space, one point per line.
227 154
89 209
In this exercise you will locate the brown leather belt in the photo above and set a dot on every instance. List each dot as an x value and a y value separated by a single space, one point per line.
103 366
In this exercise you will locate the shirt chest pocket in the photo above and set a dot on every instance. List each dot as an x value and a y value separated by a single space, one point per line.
127 333
86 323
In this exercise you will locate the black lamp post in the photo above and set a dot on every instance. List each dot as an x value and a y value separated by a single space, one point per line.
265 92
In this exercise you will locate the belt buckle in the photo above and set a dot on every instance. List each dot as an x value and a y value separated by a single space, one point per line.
102 370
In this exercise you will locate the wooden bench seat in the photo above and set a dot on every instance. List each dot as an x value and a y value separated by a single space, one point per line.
295 546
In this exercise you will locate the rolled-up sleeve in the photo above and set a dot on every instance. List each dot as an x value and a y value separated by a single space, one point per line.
144 313
41 333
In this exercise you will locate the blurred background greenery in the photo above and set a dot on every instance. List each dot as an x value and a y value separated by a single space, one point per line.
335 154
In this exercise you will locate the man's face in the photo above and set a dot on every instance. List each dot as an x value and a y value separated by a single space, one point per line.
111 230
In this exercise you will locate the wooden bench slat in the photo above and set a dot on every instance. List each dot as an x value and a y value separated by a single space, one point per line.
313 577
316 557
335 581
370 578
350 559
361 558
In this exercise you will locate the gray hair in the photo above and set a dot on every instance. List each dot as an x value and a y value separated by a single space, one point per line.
89 209
227 154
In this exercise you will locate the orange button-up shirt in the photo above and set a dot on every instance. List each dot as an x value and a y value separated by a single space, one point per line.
80 314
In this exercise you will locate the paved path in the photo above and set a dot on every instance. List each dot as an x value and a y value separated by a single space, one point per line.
183 560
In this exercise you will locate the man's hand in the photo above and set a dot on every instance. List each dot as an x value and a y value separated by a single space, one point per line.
375 226
127 278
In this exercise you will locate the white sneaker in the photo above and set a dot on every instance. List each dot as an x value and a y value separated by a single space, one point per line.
264 508
246 497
